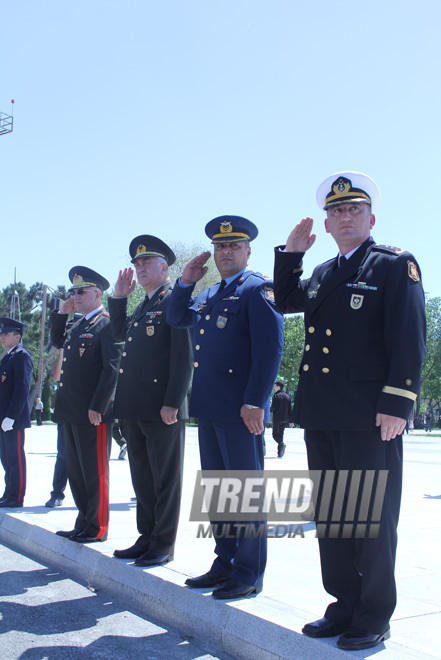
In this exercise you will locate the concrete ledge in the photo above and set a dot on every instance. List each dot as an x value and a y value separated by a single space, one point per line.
219 625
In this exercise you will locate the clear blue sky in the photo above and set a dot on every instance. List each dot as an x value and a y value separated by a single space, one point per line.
135 116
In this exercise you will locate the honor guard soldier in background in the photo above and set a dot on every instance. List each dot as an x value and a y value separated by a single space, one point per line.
360 374
151 398
84 400
237 343
15 372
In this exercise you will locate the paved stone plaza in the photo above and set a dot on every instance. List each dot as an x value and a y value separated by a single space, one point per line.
266 627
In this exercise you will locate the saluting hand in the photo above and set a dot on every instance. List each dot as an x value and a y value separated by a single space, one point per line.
67 306
125 284
301 239
195 269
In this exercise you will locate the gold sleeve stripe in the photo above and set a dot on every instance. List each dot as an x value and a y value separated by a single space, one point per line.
399 392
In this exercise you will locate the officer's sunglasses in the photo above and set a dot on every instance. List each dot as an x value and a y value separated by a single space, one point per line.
80 292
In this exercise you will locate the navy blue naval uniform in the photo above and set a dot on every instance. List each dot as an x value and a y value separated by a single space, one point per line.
237 348
364 346
15 378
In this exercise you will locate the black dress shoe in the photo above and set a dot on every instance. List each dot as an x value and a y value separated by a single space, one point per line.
53 502
234 589
152 558
135 551
356 639
10 504
67 535
281 450
206 581
83 537
323 628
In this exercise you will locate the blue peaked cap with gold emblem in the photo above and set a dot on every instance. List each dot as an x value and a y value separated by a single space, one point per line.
231 229
11 325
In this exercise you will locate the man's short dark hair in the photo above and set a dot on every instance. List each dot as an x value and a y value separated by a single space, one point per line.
280 384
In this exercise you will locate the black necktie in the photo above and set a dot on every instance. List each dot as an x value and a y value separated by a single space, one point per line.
342 261
222 285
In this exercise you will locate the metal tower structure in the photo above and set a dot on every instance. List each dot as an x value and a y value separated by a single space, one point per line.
15 301
7 121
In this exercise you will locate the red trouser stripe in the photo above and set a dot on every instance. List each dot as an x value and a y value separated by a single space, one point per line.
20 466
101 437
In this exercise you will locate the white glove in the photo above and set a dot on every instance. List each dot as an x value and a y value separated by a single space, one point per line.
7 424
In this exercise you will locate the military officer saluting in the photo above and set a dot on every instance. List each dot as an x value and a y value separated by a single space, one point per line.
151 398
359 377
237 347
15 371
84 400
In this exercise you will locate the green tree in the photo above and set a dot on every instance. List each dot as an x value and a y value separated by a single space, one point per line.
292 352
431 371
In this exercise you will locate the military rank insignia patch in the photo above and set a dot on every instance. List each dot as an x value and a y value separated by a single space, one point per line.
356 301
221 322
413 271
150 330
269 294
81 351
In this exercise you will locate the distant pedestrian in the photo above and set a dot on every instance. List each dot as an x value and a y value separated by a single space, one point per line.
428 421
281 410
38 411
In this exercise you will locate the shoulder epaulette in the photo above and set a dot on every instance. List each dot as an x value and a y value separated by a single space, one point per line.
390 249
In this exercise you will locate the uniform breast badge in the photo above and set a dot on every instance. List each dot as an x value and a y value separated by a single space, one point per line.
356 301
81 351
312 293
3 378
221 322
413 271
150 330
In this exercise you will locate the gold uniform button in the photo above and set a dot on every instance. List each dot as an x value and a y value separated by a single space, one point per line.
68 347
325 350
207 317
311 329
61 384
155 380
121 371
325 370
230 371
124 354
135 325
129 339
307 347
226 309
329 332
64 359
195 364
202 331
61 371
197 347
305 367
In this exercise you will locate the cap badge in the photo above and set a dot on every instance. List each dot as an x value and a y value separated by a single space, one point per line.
77 279
340 186
226 228
141 248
